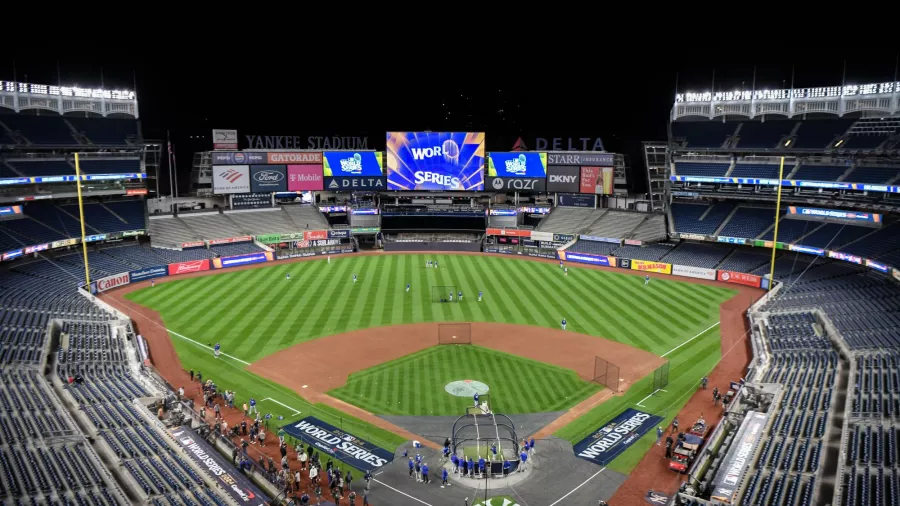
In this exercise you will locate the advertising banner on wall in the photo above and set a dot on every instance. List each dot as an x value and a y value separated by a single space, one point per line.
349 184
238 158
230 480
339 444
809 250
564 178
305 157
268 178
835 215
587 258
645 266
109 282
10 211
192 244
575 200
740 278
191 266
352 164
224 139
516 184
231 179
597 180
305 178
509 232
580 159
736 461
443 161
251 258
609 441
149 272
693 272
511 164
250 200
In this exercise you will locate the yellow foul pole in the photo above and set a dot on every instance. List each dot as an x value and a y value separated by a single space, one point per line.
777 216
87 270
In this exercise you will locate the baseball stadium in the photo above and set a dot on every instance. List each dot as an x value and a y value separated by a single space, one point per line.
432 322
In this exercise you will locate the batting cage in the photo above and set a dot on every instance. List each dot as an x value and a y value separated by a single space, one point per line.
445 293
454 333
606 373
492 436
661 377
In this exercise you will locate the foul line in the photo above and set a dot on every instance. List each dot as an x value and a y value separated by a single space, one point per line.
649 396
404 493
714 325
205 346
579 486
296 411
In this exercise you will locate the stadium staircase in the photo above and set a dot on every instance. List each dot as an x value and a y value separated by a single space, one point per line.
731 168
87 225
725 221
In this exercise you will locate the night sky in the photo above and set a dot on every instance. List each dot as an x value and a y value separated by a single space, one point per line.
623 102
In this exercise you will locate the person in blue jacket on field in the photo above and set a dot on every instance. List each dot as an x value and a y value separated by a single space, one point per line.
471 468
523 457
476 399
563 323
425 473
481 465
506 467
444 478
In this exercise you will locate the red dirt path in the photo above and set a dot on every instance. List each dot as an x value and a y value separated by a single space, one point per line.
650 473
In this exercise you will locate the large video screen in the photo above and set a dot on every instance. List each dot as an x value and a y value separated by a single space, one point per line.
351 163
442 161
517 164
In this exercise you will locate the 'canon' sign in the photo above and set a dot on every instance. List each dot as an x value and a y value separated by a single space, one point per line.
107 283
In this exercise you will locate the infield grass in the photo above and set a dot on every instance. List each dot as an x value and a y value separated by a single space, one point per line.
414 384
256 312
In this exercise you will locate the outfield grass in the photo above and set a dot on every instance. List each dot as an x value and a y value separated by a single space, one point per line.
256 312
517 385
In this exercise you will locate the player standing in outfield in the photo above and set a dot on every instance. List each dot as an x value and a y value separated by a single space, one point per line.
152 283
460 295
216 350
407 288
566 270
435 264
451 296
646 280
354 278
563 323
329 258
287 276
427 263
560 264
479 295
476 399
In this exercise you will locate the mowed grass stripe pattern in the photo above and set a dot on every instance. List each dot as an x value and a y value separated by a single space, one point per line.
414 384
256 312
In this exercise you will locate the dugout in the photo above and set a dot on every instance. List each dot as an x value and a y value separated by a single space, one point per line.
474 434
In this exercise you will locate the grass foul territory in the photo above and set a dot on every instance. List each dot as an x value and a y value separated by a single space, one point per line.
253 313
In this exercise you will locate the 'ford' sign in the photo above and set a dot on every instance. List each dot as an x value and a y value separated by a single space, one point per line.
268 178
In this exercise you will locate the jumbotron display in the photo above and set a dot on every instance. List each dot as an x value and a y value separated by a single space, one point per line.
442 161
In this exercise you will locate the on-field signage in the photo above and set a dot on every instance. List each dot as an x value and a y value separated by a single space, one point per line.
149 272
609 441
740 278
693 272
339 444
645 266
110 282
188 267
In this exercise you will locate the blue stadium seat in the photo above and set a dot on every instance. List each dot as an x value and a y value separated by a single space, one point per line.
40 129
756 170
748 222
701 169
873 175
819 172
817 134
703 134
107 131
687 217
757 134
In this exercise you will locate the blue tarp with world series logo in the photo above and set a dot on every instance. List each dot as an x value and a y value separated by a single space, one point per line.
609 441
339 444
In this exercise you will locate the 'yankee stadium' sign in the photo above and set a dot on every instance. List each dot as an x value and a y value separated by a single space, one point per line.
615 437
341 445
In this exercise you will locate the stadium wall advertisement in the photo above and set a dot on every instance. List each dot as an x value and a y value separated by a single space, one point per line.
563 178
235 484
347 184
740 278
511 164
645 266
110 282
597 180
518 184
238 158
834 214
268 178
231 240
231 179
442 161
509 232
736 461
278 157
575 200
250 258
609 441
192 244
579 159
149 272
693 272
586 258
305 178
285 254
191 266
339 444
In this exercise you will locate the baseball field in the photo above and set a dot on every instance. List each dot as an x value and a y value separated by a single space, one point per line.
256 313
